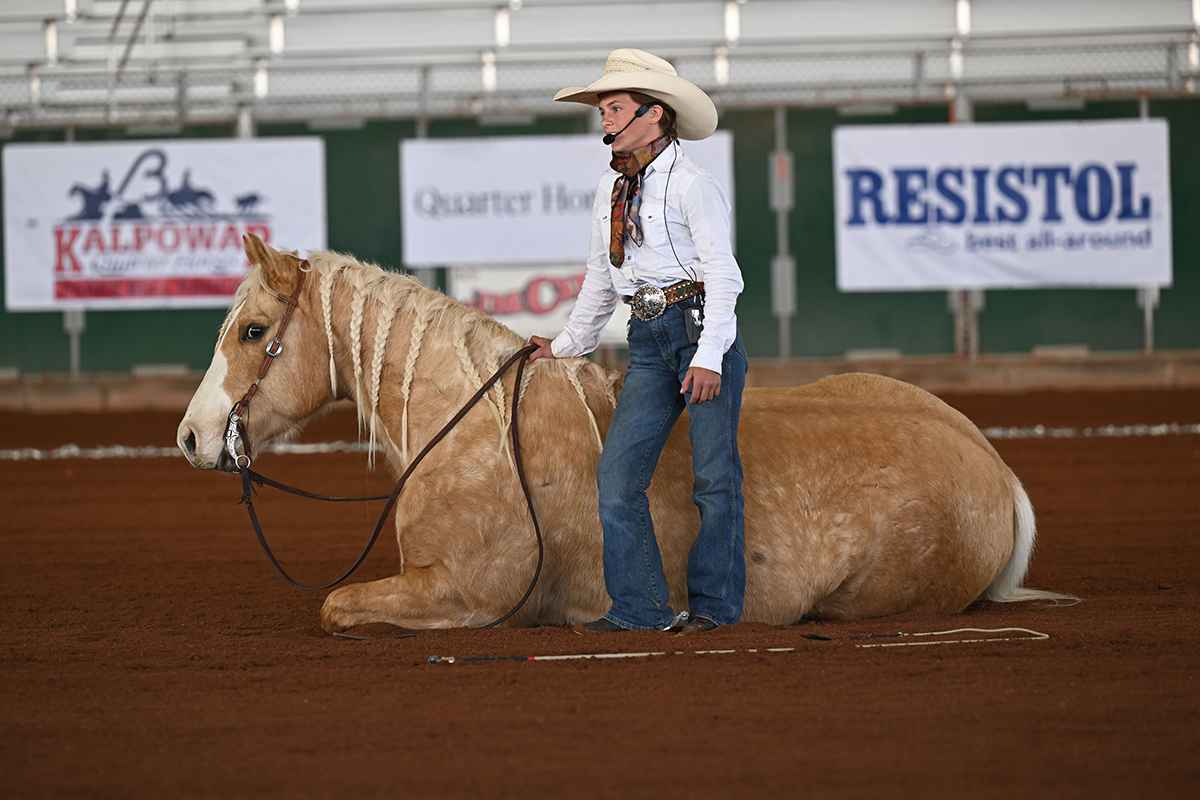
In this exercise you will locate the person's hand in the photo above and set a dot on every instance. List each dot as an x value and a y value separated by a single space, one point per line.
705 384
543 350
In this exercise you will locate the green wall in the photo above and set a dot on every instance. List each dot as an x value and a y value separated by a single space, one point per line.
363 197
1109 319
827 323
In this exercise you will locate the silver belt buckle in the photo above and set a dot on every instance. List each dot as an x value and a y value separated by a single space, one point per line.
649 303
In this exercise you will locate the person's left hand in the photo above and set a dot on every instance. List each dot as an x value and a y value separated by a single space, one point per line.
704 383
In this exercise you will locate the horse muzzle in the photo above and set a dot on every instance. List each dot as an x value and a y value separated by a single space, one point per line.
225 463
189 443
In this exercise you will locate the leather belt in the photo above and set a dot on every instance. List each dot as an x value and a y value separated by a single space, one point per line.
649 302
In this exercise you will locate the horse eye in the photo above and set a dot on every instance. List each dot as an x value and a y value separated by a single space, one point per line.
253 332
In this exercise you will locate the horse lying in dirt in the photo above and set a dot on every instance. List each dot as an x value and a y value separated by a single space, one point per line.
864 496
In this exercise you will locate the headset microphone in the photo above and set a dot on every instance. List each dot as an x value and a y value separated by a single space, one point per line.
609 138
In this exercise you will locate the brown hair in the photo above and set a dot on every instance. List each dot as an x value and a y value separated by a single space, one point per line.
668 118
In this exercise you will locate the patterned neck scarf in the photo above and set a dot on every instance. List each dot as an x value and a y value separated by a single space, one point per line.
627 196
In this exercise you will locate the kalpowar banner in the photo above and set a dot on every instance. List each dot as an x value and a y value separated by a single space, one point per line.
152 224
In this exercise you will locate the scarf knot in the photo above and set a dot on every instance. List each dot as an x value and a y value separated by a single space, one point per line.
627 197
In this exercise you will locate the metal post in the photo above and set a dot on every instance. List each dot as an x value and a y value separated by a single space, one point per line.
74 324
965 304
423 116
426 275
1147 296
245 122
783 266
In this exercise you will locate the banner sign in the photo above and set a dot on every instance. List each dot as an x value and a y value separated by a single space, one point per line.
152 224
530 300
516 199
979 206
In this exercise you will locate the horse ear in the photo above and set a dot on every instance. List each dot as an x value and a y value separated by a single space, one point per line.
276 268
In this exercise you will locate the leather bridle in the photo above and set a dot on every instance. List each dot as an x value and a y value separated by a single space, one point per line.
236 429
236 432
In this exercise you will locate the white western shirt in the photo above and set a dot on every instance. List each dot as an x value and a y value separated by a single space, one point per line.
697 248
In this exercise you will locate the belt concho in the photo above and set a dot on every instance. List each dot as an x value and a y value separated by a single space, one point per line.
650 302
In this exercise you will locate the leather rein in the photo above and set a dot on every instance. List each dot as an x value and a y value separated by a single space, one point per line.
235 433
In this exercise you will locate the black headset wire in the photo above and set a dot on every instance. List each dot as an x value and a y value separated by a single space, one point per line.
666 192
667 222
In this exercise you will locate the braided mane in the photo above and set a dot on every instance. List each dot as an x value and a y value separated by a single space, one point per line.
384 297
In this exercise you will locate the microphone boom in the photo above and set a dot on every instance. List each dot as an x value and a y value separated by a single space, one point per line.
609 138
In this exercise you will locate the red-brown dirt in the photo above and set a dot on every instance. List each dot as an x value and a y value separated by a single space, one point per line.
148 650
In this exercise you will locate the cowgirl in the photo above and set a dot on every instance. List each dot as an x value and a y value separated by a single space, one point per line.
661 243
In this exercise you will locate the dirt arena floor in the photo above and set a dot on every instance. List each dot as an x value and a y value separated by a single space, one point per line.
148 650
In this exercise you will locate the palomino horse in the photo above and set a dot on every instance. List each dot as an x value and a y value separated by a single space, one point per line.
864 496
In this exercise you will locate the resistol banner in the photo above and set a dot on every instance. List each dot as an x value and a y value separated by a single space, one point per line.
1019 205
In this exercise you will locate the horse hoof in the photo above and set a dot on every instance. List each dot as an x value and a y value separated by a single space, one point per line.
333 618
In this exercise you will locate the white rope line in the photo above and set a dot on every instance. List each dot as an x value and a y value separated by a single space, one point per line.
751 650
1107 431
588 655
579 656
1033 636
125 451
68 451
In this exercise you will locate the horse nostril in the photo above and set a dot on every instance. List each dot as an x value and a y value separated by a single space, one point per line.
189 443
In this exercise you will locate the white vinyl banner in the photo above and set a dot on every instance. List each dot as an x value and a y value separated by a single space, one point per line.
1011 205
152 224
530 300
516 200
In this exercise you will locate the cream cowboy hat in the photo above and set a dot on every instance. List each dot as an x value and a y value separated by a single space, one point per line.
630 70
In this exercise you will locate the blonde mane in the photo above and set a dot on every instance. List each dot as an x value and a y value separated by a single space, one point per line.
381 296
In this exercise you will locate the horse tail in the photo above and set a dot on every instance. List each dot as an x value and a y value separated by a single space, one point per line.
1007 588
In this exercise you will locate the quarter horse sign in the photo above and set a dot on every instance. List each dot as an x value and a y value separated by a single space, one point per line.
865 496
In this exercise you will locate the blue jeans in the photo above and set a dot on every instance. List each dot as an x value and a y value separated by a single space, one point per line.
649 405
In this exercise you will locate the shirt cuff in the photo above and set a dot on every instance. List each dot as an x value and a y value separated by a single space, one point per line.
563 346
708 358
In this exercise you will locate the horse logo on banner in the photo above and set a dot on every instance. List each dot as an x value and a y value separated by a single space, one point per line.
154 232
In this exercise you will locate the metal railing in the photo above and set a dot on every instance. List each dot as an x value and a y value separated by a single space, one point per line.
1163 63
